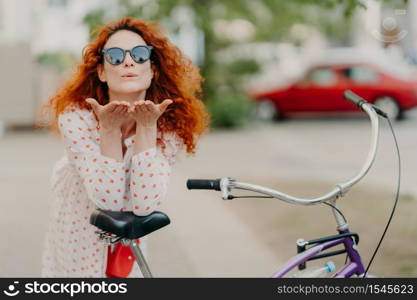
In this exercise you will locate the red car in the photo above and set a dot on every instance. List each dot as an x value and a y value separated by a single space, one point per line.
321 90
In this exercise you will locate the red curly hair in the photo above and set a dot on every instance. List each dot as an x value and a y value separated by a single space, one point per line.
175 77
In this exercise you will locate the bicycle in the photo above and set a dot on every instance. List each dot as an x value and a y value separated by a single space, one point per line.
125 227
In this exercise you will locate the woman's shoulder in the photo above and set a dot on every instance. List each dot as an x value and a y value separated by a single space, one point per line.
171 140
73 116
169 136
73 109
77 113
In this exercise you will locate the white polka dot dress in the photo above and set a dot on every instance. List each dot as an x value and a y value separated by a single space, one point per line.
84 180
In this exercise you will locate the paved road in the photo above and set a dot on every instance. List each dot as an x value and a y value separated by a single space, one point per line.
209 237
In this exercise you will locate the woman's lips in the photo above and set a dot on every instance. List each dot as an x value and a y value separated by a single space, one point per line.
129 75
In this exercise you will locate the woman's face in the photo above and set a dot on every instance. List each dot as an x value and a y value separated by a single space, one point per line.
115 75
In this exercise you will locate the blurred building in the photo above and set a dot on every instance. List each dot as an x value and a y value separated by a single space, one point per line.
28 28
390 27
16 74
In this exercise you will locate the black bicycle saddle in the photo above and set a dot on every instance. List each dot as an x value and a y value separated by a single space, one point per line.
127 224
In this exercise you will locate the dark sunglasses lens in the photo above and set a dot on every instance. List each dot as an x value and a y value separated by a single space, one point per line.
115 56
140 54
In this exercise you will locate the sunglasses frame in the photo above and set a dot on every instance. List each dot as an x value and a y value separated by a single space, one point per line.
105 50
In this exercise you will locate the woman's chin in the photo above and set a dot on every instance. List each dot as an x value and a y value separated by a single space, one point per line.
129 89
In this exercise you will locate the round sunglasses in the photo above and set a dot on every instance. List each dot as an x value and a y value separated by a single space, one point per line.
116 55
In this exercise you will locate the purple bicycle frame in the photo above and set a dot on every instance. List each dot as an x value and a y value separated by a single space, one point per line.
354 266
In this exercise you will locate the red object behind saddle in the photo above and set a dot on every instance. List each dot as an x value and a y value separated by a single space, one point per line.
118 263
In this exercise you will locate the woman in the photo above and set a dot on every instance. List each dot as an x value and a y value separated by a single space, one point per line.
131 106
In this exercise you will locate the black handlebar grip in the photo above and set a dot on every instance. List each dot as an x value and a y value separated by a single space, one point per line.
354 98
359 101
203 184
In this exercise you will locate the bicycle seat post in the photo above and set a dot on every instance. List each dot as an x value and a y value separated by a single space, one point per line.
140 259
127 227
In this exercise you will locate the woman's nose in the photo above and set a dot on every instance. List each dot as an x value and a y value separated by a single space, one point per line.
128 60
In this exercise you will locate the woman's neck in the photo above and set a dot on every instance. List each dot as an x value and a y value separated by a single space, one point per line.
131 97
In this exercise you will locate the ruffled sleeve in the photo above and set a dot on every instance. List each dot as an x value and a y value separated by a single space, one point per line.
103 177
150 172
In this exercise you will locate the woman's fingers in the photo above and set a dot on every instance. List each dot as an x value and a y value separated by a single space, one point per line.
112 106
148 105
94 104
144 106
119 107
125 104
125 107
131 108
139 106
163 106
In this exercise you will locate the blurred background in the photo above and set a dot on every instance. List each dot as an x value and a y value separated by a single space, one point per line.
274 76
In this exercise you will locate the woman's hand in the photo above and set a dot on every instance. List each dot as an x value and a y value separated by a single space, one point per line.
146 113
112 115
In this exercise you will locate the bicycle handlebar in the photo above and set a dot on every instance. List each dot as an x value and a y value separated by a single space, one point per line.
354 99
225 185
203 184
